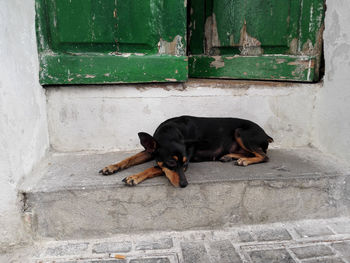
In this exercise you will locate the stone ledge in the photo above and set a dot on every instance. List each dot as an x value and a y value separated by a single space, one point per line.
69 199
74 171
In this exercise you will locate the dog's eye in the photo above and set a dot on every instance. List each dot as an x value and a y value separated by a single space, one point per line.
171 163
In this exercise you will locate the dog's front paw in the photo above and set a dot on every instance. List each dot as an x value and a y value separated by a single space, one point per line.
225 159
111 169
242 162
130 180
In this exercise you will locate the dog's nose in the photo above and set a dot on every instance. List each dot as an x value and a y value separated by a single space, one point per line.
183 184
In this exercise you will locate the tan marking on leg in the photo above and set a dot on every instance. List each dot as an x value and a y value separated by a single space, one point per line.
138 158
138 178
245 161
184 159
232 156
259 158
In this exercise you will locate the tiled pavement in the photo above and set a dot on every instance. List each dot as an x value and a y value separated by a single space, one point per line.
309 241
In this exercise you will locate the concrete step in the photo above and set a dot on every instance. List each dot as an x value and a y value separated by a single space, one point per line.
67 198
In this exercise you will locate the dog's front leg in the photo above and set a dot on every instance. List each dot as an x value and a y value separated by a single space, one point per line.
138 158
138 178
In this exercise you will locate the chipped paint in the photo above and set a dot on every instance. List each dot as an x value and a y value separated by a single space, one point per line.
302 67
254 67
87 76
312 23
218 62
248 44
280 60
309 70
175 47
232 40
125 55
293 46
215 35
211 35
308 48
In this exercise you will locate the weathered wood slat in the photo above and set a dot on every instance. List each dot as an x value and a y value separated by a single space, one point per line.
265 67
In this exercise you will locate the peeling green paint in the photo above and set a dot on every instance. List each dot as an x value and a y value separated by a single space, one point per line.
265 67
92 69
232 39
116 41
111 41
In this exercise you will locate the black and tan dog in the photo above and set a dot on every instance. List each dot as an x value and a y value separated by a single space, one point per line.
181 140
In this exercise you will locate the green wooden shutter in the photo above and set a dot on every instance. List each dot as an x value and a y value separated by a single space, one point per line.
256 39
111 41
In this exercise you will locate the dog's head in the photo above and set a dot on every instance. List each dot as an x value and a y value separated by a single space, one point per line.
170 156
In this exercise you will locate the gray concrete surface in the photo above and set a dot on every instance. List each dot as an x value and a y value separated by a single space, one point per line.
69 199
212 246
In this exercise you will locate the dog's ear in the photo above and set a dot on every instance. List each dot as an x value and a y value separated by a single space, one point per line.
148 142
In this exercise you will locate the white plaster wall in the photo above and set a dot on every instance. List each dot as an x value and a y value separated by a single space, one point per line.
108 118
332 126
23 124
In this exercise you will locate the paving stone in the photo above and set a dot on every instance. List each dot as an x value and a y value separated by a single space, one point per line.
245 236
341 227
150 260
223 252
273 235
271 256
67 249
111 247
194 252
164 243
343 248
313 231
324 260
312 251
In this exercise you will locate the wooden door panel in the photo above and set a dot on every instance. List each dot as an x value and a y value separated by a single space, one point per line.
111 41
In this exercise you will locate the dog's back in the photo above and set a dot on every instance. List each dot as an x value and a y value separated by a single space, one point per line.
213 137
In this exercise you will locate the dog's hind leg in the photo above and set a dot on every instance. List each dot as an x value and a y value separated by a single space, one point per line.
232 156
138 158
259 155
138 178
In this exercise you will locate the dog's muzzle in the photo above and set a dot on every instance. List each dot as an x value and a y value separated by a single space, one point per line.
183 181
